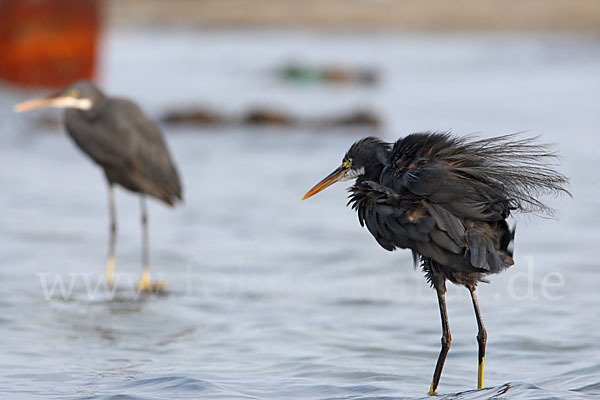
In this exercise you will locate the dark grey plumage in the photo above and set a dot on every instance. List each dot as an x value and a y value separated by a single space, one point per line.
447 199
129 146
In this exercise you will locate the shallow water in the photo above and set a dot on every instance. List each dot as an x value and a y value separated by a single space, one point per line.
272 297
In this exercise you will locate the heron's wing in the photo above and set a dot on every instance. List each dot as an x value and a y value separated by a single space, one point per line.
146 149
441 184
405 220
129 146
98 137
482 179
469 211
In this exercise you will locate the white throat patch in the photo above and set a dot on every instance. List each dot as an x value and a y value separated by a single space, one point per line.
71 102
354 173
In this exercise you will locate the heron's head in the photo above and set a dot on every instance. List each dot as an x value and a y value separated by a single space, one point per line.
365 161
82 95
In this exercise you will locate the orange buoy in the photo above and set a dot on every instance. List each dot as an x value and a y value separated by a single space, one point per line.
48 42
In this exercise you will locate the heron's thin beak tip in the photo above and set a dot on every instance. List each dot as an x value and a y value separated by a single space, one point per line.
32 104
18 108
332 178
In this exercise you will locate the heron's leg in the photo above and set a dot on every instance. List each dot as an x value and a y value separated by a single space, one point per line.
110 259
145 282
481 338
440 287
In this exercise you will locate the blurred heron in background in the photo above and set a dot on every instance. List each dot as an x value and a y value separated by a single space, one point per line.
447 199
117 135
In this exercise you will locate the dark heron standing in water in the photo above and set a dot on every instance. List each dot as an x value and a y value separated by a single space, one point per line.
119 137
447 199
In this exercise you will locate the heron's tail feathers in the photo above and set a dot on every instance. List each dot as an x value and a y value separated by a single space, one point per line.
524 169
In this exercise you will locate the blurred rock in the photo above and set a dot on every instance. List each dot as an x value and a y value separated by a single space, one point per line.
299 73
193 116
268 117
340 75
336 75
359 119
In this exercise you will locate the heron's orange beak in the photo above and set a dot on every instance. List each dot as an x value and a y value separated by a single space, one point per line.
34 104
58 101
329 180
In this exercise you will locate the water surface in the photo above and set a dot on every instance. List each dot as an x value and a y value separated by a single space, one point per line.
275 298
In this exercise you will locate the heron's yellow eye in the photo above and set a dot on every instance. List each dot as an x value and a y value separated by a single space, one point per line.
347 163
73 93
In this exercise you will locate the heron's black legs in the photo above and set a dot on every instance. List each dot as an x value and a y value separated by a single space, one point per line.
440 287
110 259
481 339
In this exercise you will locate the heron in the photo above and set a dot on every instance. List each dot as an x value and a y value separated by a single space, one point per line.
130 148
447 199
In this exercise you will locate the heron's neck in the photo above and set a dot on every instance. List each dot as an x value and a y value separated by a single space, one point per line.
92 112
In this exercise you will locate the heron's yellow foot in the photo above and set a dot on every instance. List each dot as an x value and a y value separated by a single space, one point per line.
480 374
432 390
146 285
110 270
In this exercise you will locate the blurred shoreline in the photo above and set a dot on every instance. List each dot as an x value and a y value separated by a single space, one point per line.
402 15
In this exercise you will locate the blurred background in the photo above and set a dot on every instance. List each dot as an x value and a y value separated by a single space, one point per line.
270 296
